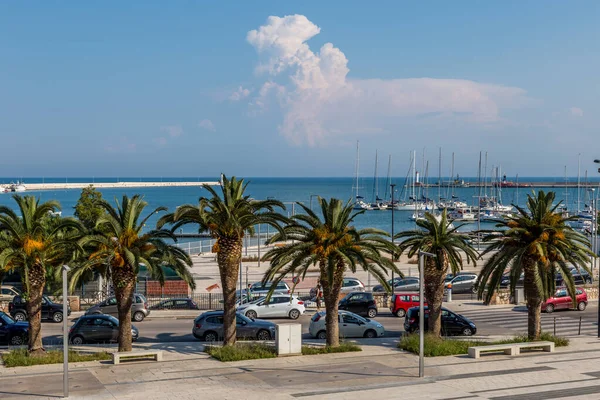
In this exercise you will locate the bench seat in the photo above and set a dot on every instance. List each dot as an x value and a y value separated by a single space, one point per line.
138 354
511 349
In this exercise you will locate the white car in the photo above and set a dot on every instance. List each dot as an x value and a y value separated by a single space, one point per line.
279 306
350 325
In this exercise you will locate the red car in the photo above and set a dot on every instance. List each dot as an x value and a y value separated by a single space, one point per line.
402 302
562 301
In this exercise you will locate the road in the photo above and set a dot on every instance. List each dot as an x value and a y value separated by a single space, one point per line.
507 320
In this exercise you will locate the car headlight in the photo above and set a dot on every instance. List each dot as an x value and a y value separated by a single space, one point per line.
472 325
379 326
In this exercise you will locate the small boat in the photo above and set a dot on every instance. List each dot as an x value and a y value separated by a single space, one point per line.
462 215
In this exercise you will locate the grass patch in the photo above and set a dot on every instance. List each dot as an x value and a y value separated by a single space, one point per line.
241 351
342 348
21 358
436 346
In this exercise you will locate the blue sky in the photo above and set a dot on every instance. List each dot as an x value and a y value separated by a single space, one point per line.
282 89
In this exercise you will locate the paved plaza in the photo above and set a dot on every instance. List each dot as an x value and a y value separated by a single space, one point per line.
379 371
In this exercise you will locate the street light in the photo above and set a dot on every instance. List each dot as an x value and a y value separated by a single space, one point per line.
422 255
392 186
65 269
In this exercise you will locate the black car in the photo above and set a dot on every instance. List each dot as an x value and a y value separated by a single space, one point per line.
359 303
452 324
99 328
50 310
11 331
580 277
176 304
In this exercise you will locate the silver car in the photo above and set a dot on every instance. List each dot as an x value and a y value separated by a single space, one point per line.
209 327
352 285
139 308
351 325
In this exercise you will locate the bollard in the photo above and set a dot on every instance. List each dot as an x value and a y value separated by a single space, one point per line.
554 326
449 295
579 332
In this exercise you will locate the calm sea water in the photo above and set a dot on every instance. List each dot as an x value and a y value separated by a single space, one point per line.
291 190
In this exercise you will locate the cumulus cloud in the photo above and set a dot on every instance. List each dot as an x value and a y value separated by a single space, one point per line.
320 101
576 111
239 94
172 130
207 124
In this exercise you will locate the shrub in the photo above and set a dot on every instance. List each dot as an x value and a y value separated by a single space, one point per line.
241 351
21 358
342 348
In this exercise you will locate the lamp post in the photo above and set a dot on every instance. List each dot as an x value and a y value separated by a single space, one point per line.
422 255
65 269
392 187
594 243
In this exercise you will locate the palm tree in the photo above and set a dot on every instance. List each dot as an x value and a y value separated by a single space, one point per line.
537 242
334 245
35 243
120 250
228 219
437 236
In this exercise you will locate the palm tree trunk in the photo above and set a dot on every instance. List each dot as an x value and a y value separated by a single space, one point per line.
434 293
37 281
229 255
534 302
331 294
124 282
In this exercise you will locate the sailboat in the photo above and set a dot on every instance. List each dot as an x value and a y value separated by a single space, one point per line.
359 203
377 203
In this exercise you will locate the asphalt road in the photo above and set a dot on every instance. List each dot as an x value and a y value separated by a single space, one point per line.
161 330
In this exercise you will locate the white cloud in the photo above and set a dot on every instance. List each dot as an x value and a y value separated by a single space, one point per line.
239 94
207 124
172 130
576 111
319 100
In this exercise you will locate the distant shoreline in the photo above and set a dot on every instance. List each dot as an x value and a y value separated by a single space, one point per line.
107 185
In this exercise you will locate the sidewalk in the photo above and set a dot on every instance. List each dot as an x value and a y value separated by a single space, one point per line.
380 371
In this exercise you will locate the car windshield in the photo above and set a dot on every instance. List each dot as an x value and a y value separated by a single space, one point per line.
113 320
240 317
262 298
7 319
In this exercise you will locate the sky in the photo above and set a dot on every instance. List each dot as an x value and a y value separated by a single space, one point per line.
271 88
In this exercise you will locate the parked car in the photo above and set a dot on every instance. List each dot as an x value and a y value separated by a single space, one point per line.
361 303
12 332
463 283
350 324
401 302
352 285
258 288
562 301
209 327
176 304
139 308
391 282
580 277
7 293
452 324
405 284
97 328
278 306
50 310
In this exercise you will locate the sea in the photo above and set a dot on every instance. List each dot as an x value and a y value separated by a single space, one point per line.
292 191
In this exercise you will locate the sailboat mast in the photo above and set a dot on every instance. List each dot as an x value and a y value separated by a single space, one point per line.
414 176
578 183
356 172
375 184
485 176
452 177
440 177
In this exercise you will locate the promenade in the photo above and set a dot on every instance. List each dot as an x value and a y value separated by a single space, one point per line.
380 371
108 185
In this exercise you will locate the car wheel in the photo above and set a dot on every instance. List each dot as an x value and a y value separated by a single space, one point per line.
251 314
263 335
20 316
581 306
18 340
467 332
322 335
588 281
473 289
370 334
77 340
294 314
210 337
138 316
57 317
400 313
372 313
549 308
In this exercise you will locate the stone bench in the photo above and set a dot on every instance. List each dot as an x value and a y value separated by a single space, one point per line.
137 355
511 349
